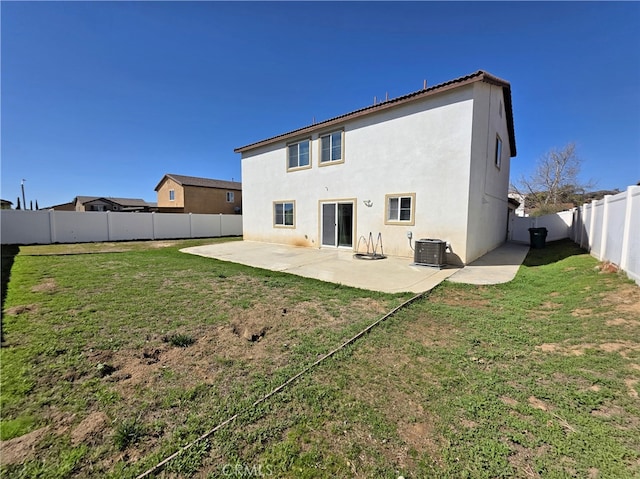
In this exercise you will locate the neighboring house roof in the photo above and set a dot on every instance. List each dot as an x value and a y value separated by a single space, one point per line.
6 202
69 204
128 202
201 182
480 75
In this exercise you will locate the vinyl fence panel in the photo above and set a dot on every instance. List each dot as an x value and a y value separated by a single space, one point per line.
25 227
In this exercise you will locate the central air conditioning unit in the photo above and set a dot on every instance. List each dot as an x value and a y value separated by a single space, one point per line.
430 252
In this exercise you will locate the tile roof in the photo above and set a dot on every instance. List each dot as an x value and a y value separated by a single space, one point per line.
480 75
202 182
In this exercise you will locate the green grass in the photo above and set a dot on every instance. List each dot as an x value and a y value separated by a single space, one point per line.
534 378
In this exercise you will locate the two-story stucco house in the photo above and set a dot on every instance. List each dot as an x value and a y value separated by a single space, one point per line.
433 163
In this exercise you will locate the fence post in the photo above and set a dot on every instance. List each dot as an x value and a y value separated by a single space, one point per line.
586 220
153 225
605 227
626 231
52 226
108 225
221 235
190 225
592 225
581 213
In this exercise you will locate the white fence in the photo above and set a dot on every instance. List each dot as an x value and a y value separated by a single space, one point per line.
558 226
46 227
609 229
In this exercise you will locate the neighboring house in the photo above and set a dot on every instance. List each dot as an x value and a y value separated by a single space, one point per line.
101 203
520 200
5 204
431 164
190 194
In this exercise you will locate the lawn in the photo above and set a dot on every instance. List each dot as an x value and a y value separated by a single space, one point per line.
117 355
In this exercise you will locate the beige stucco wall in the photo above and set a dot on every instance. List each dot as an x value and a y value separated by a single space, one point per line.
210 200
163 194
423 148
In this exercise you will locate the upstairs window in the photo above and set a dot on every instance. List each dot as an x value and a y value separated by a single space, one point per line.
331 147
400 209
230 197
172 195
298 155
284 213
498 158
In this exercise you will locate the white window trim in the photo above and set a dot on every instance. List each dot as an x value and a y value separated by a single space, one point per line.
273 210
497 159
329 134
399 196
230 197
172 195
298 142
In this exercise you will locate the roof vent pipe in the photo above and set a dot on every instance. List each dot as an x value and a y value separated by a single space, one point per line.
424 85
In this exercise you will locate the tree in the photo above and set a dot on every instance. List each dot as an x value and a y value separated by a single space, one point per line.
555 183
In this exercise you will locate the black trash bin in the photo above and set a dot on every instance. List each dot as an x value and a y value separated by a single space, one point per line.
537 237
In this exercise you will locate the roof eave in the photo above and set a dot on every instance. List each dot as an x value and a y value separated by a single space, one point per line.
480 75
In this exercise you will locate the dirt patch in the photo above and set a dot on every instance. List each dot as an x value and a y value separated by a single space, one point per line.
162 244
631 386
18 449
419 436
523 459
47 286
624 300
538 403
623 322
21 309
608 411
509 401
621 347
90 430
581 313
548 305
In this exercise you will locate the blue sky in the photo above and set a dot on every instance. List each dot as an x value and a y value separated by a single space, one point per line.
104 98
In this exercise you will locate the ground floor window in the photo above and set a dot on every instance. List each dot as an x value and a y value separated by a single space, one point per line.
284 213
400 208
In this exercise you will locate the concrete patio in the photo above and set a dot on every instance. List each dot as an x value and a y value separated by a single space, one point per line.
389 275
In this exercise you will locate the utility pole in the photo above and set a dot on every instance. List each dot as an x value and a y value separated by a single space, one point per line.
24 202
